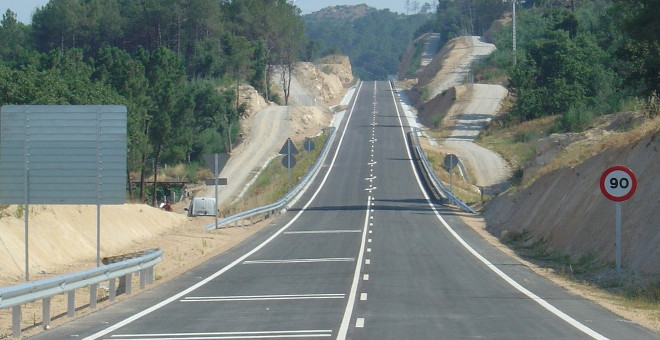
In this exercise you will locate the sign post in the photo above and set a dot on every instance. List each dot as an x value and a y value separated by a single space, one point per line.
216 162
289 161
451 161
618 183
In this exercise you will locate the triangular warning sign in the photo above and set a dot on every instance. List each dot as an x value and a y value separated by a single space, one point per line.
288 148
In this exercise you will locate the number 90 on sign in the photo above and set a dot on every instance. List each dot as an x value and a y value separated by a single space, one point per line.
618 183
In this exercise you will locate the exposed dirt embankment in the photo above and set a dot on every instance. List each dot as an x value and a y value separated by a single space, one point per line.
566 209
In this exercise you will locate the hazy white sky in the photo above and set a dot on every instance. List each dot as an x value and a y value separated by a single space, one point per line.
25 8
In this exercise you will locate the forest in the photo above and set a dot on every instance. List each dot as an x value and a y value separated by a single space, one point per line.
373 39
176 65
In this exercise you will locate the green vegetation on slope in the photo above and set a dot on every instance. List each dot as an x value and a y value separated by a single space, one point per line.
374 40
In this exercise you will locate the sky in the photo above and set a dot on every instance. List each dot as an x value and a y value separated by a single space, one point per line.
25 8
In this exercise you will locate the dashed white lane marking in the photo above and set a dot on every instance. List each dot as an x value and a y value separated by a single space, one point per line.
369 241
363 297
359 323
365 277
367 261
312 333
262 297
330 259
368 250
322 232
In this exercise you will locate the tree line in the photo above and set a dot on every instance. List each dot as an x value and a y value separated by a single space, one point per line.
373 41
575 59
176 65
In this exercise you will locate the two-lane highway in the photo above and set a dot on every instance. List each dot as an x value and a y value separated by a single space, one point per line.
365 255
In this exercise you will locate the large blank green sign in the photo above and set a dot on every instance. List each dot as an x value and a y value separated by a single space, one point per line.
63 154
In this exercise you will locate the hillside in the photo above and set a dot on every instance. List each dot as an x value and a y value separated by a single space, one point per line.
564 209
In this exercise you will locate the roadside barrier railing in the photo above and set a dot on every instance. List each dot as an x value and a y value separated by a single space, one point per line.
434 183
283 204
15 296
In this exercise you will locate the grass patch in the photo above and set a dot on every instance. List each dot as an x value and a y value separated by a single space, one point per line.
516 143
272 182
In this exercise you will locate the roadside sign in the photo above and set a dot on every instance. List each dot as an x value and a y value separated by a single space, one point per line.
451 161
309 144
288 148
210 162
618 183
221 181
288 161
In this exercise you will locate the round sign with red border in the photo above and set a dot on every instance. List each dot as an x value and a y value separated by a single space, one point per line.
618 183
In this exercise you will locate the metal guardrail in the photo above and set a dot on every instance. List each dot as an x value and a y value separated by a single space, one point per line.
283 203
431 176
15 296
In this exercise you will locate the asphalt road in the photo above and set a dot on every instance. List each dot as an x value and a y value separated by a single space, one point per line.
367 256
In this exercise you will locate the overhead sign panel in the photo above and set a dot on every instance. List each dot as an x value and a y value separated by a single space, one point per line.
63 154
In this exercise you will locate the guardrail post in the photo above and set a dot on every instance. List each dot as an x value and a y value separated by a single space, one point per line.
71 303
16 321
129 279
150 275
92 295
143 278
45 312
112 290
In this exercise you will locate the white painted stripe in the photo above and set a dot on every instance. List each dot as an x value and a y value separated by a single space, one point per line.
367 261
322 232
192 288
369 241
330 259
365 277
348 312
554 310
363 297
368 250
359 323
262 297
228 335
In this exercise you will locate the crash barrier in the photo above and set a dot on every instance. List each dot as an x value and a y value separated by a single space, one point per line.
123 269
434 183
282 205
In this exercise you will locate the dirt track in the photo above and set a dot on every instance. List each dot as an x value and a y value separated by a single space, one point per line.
268 130
488 168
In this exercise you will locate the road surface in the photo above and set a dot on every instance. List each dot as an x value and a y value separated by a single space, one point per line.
365 255
487 167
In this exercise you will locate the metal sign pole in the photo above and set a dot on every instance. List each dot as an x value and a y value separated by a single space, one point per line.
98 235
618 237
216 174
288 168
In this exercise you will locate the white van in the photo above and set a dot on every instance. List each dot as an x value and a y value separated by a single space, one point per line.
202 206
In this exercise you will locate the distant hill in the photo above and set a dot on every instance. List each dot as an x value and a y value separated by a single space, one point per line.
373 39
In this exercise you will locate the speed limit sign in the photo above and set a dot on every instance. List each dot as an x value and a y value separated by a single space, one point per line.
618 183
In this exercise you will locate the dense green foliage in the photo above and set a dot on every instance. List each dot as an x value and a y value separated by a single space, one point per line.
574 59
374 41
176 65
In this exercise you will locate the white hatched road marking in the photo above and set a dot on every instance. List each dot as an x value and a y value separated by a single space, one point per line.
262 297
228 335
321 232
330 259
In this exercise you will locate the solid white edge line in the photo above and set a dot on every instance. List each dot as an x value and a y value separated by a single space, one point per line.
240 259
554 310
348 312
